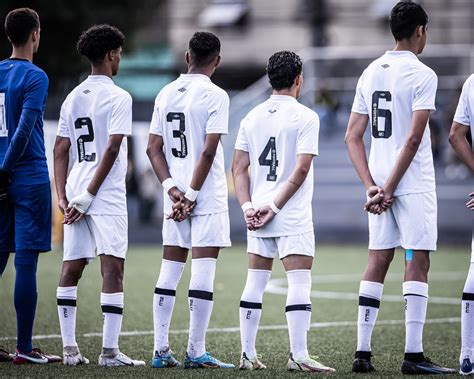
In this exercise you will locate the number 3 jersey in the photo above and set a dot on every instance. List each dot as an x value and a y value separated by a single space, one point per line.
185 111
390 89
93 111
274 133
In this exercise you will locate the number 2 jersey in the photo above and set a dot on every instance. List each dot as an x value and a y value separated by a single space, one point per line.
93 111
274 133
390 89
185 111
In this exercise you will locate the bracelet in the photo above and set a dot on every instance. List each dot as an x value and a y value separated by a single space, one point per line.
168 184
191 194
274 208
246 206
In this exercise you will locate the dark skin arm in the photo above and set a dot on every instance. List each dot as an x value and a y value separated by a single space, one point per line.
458 140
61 163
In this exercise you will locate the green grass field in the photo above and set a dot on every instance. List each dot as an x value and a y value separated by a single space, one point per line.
336 276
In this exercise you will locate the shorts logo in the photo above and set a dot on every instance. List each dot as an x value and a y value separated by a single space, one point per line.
367 315
65 312
161 301
249 313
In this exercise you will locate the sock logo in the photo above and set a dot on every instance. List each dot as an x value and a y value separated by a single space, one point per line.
65 312
249 313
467 307
406 304
367 315
191 305
161 301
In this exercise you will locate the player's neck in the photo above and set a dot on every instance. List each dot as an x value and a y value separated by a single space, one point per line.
23 52
285 92
200 70
407 45
102 70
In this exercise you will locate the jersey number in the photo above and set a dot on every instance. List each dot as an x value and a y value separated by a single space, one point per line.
178 116
270 148
385 113
3 116
83 138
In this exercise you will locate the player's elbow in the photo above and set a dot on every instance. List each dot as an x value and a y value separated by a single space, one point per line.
350 138
413 142
208 155
113 151
302 171
453 138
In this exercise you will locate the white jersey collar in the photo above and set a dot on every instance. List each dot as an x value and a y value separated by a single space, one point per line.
195 77
401 53
283 98
100 78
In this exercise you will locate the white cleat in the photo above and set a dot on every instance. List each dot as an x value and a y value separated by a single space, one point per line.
251 364
73 357
308 364
120 359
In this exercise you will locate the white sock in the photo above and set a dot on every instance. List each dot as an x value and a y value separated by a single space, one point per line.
416 302
163 301
467 317
66 300
370 294
200 303
112 309
298 311
251 309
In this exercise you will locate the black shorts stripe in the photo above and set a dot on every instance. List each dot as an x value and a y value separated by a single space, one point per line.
298 307
414 294
164 291
204 295
250 305
468 296
369 302
112 309
67 302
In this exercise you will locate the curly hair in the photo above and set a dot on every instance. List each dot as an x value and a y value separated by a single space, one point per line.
204 47
19 24
283 67
98 40
405 17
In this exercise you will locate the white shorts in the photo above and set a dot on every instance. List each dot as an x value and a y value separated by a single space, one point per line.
211 230
267 247
472 249
411 223
96 235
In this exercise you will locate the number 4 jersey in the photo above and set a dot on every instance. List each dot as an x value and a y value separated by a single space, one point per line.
93 111
390 89
274 133
185 111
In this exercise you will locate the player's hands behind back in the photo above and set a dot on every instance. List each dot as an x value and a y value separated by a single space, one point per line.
77 207
470 203
182 206
378 201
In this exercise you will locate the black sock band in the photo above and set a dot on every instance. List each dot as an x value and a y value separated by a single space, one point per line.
298 307
112 309
250 305
204 295
468 296
369 302
67 302
164 291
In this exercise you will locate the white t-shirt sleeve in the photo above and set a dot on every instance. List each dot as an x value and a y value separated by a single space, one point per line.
425 93
359 105
242 142
308 137
462 115
63 127
121 119
218 112
156 126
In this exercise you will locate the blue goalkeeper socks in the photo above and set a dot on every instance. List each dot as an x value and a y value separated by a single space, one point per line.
25 297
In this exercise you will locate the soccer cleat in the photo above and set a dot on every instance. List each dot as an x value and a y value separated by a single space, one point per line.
120 359
73 357
362 363
5 356
164 359
308 364
424 367
251 364
205 361
35 356
466 368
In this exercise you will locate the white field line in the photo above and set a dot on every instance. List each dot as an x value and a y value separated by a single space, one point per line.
317 325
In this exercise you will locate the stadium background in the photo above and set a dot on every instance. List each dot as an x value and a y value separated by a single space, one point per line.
337 39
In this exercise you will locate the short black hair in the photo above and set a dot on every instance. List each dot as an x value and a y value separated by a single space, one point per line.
405 17
204 47
283 67
98 40
19 24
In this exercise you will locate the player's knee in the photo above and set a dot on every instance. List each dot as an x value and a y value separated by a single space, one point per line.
112 273
70 276
26 259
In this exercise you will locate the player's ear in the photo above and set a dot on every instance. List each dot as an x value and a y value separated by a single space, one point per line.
217 61
420 30
35 35
187 57
111 55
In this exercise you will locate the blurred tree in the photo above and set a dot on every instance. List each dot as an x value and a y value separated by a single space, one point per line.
63 21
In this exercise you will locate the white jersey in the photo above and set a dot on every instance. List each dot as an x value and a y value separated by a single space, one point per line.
185 111
465 109
274 133
93 111
390 89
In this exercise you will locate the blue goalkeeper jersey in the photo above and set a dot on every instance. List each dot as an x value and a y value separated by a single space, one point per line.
23 87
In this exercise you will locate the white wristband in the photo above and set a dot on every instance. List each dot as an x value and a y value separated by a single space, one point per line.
168 184
246 206
274 208
191 194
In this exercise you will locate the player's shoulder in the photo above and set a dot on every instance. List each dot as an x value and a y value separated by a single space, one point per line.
35 73
469 83
213 91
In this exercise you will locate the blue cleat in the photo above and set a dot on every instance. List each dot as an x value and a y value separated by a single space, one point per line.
466 367
164 359
205 361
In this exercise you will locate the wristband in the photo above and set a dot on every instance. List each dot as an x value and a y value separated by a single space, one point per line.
191 194
274 208
168 184
246 206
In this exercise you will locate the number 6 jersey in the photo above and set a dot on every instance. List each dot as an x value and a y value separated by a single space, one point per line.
93 111
274 133
390 89
185 111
